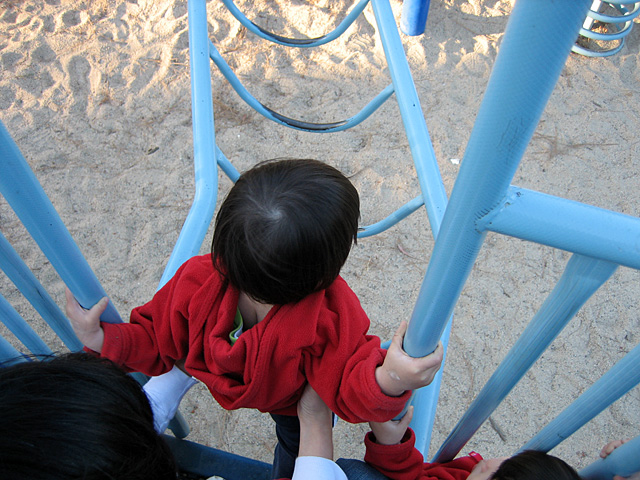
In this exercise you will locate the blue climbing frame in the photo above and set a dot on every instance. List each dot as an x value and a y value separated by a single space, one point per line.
529 62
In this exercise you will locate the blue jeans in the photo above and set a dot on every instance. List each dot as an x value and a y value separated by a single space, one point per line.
358 470
284 457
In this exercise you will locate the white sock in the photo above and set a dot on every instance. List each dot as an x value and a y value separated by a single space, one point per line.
165 393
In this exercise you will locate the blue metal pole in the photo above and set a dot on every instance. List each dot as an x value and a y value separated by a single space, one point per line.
432 188
529 62
23 332
621 378
581 278
424 157
8 354
414 16
26 197
623 461
204 153
18 272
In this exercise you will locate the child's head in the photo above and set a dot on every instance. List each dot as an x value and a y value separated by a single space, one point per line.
533 465
285 229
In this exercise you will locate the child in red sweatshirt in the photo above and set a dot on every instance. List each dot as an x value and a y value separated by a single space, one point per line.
267 311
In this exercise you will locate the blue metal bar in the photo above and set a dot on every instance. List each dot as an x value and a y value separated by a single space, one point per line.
9 355
204 153
414 16
296 42
623 461
226 166
425 401
250 100
566 224
13 266
581 278
400 214
26 197
621 378
527 67
23 332
428 172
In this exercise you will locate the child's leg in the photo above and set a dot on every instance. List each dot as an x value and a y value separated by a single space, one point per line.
165 393
358 470
284 457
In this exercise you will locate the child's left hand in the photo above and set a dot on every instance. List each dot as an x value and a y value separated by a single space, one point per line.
86 323
392 432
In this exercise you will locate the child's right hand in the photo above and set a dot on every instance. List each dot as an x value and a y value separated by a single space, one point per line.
400 372
86 323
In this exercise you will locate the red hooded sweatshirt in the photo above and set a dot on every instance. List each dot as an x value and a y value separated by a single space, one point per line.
321 339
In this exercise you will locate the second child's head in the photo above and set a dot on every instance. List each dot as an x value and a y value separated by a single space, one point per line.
285 229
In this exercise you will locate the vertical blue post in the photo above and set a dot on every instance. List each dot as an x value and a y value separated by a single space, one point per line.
21 189
581 278
432 188
204 159
414 16
204 153
531 57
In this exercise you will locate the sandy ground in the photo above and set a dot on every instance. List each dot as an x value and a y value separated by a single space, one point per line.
97 96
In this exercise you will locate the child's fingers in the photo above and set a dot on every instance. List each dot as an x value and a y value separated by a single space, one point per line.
398 336
611 446
406 420
99 307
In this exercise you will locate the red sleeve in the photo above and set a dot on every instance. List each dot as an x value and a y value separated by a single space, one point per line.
157 334
342 368
404 462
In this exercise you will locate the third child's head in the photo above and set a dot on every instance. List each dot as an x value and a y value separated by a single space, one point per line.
527 465
285 229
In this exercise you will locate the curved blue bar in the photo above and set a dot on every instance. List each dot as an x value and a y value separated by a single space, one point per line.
400 214
18 272
293 42
623 461
226 166
23 332
250 100
527 67
414 16
581 278
566 224
204 157
621 378
26 197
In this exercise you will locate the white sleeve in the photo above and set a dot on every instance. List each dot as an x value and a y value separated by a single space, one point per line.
317 468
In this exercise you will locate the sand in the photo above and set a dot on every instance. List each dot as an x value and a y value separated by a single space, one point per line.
97 96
